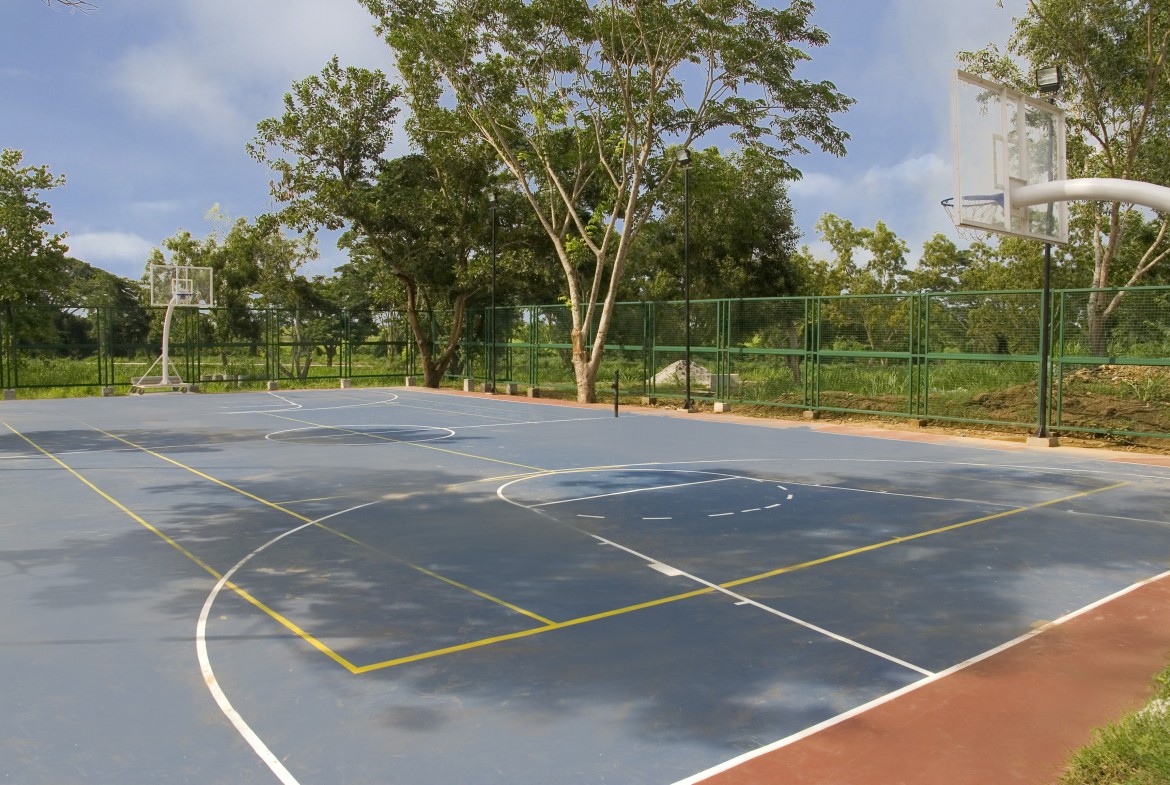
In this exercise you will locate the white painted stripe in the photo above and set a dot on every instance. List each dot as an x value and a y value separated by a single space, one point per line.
751 509
665 569
595 517
888 697
742 600
255 742
658 519
1117 517
720 514
774 506
303 410
524 422
636 490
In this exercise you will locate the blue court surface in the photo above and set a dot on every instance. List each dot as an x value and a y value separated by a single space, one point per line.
407 586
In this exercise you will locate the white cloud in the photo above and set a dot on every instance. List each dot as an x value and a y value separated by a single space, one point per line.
179 89
226 62
927 169
122 253
157 207
815 185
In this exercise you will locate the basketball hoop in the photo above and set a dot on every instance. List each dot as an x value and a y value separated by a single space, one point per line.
174 286
984 209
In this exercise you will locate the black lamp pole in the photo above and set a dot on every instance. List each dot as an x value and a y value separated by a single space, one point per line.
492 313
683 156
1048 80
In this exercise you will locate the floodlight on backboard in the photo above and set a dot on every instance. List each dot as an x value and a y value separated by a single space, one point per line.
1005 140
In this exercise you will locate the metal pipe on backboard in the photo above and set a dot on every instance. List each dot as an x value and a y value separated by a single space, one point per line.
1098 189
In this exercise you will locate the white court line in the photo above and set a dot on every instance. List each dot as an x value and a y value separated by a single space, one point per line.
742 600
890 696
1118 517
468 411
1063 471
255 742
370 431
522 422
902 495
639 490
300 408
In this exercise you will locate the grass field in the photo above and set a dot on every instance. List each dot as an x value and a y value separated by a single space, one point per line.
1135 750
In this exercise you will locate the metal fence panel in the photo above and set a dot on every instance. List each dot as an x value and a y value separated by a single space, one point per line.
961 356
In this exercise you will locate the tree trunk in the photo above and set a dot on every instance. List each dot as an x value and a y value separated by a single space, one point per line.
793 360
1097 318
433 374
584 371
433 367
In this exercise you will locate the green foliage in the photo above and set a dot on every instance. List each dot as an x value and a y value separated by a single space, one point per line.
32 260
1134 750
580 101
415 225
742 233
255 265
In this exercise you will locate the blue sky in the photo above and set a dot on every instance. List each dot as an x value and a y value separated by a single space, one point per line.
146 106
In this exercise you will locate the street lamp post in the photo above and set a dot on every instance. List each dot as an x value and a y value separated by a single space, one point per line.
1048 81
683 156
492 311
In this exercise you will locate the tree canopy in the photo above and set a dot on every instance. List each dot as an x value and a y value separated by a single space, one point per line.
420 218
742 233
582 101
32 258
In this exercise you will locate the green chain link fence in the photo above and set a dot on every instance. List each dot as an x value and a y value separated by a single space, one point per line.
970 357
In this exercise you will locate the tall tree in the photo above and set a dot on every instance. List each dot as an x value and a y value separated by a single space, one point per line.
422 217
865 262
581 102
742 233
32 258
1115 57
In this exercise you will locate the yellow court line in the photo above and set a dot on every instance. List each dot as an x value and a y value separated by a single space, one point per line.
728 585
275 506
207 477
909 537
288 624
403 441
560 625
437 576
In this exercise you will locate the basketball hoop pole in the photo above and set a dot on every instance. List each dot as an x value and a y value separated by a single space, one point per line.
166 340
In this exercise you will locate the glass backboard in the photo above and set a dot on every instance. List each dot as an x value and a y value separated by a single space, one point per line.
1004 139
181 285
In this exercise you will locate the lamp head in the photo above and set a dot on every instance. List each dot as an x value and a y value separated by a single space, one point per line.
1048 78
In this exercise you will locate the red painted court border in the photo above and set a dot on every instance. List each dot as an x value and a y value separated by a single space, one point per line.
1012 717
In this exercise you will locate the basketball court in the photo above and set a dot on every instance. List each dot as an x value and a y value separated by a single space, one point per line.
403 585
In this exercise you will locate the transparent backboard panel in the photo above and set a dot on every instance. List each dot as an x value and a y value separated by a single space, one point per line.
1002 140
182 285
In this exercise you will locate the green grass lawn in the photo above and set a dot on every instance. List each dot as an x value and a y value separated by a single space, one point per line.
1135 750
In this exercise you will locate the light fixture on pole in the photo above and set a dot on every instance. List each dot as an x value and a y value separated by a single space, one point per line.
492 203
683 156
1048 81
